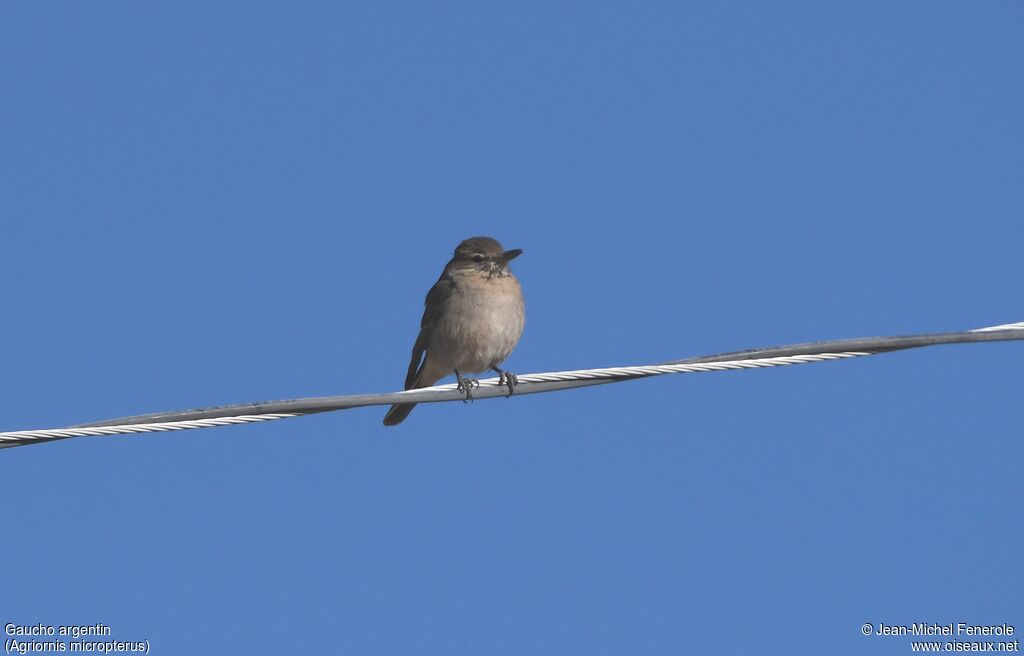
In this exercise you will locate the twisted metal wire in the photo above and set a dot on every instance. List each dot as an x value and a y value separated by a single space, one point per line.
21 438
528 384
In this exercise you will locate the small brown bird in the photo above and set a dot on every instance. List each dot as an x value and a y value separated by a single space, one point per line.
473 317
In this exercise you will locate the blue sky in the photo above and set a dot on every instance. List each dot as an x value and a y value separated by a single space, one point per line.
209 203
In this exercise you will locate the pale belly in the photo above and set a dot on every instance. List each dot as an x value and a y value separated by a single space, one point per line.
481 325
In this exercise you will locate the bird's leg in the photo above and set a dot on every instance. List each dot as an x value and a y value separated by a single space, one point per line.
506 378
466 385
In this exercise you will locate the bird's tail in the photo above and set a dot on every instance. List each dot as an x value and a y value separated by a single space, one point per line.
397 413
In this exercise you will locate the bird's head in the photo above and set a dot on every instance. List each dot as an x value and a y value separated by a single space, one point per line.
483 254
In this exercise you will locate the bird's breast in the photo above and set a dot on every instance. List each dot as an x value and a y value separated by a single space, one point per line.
482 322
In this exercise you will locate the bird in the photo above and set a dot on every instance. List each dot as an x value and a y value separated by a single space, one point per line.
473 318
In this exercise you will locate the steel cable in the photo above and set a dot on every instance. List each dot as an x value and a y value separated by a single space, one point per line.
528 384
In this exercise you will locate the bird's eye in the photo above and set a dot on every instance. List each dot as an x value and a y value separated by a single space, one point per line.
478 258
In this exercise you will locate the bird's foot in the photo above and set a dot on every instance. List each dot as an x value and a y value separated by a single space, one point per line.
508 379
466 386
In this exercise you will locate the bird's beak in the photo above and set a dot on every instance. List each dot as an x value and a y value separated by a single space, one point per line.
508 256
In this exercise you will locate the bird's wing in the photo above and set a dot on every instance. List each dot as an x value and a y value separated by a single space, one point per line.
436 299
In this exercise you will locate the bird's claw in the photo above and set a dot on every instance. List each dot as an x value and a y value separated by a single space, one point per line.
510 380
466 386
